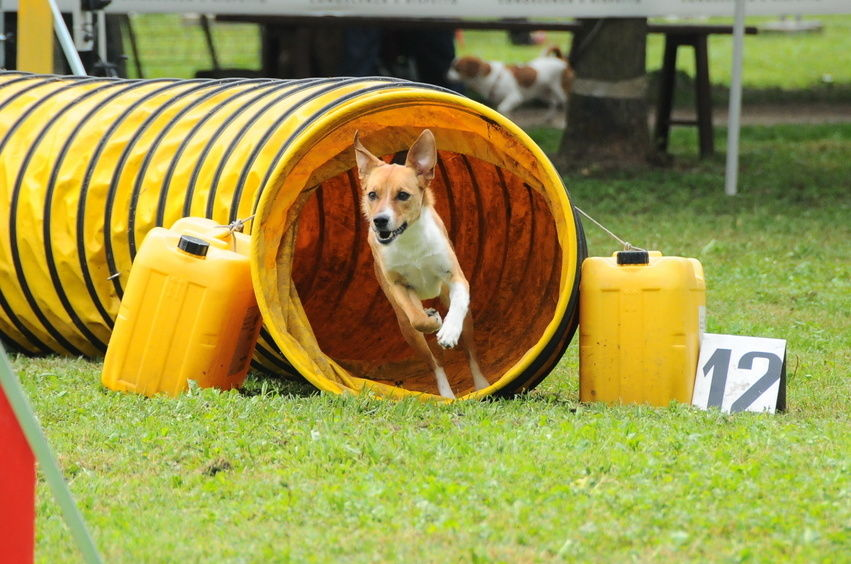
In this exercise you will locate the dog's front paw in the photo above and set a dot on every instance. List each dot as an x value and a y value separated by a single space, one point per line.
432 323
448 335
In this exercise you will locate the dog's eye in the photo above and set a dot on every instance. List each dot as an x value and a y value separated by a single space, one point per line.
403 196
372 195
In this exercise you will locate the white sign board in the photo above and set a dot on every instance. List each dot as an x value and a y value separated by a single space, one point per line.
469 8
741 374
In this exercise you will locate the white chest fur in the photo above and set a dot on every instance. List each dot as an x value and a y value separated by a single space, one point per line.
420 256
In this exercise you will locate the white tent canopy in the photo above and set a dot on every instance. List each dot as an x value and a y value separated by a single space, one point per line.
476 8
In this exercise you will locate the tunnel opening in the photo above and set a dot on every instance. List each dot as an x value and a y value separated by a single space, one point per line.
505 240
515 241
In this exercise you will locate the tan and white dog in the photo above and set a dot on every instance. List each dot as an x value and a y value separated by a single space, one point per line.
547 78
414 259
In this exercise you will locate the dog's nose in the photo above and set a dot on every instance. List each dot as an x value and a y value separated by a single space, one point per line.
380 222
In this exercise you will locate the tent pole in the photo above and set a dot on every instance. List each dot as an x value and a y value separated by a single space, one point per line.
735 111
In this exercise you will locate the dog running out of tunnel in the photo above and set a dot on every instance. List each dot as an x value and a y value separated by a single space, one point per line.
89 165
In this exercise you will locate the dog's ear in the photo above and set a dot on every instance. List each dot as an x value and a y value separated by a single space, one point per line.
422 156
366 160
554 52
472 67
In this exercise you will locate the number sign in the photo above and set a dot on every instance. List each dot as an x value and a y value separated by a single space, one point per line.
737 373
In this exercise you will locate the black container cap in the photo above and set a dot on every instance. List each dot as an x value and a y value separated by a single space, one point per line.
193 245
633 257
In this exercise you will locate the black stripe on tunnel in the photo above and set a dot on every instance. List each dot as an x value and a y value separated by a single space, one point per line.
13 223
34 345
556 347
292 88
84 193
51 186
217 89
482 224
266 88
212 89
358 235
200 84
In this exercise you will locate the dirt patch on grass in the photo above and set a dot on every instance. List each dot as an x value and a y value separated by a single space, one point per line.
762 114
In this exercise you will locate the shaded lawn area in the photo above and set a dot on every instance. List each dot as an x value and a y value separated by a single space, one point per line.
279 473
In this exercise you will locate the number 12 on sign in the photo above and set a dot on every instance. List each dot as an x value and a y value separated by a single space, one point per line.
737 373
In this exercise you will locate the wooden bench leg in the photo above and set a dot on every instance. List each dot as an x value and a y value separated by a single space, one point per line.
703 97
665 102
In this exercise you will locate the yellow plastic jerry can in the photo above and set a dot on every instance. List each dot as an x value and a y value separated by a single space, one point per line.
641 318
188 312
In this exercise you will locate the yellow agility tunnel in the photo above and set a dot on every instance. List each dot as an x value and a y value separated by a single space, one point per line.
89 165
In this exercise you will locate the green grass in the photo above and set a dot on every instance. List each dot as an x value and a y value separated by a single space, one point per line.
777 67
771 60
172 45
279 473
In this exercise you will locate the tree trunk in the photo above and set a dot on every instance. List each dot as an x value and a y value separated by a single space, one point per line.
607 110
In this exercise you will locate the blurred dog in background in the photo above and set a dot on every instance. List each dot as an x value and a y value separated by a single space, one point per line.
547 78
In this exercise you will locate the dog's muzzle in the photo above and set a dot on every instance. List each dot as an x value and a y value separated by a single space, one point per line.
387 237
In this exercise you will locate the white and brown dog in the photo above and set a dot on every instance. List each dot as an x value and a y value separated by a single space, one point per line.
547 78
414 259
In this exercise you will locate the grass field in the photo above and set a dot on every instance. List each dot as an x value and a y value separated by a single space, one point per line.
279 473
777 67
